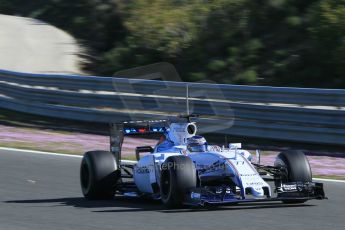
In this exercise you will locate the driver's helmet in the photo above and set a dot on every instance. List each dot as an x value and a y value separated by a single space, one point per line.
197 144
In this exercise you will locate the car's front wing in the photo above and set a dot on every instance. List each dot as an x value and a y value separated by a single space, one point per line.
223 195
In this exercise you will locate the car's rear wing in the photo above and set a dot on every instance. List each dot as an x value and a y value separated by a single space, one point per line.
119 130
145 127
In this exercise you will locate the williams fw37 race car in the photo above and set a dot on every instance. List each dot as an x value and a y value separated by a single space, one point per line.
183 169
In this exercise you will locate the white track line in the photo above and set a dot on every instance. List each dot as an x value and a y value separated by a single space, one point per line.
329 180
50 153
40 152
125 161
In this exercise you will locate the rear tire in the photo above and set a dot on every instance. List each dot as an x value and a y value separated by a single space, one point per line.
177 175
99 175
297 170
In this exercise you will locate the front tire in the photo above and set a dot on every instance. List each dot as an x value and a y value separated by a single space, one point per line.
177 175
99 175
297 170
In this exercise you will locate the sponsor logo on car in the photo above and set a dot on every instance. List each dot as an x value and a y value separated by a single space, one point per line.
142 170
255 183
289 187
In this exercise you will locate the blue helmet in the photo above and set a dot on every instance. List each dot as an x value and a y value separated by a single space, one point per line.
197 144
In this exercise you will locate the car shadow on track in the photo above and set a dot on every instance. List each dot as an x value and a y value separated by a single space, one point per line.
125 204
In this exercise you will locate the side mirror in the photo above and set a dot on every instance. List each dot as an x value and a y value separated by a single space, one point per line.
235 146
258 156
142 149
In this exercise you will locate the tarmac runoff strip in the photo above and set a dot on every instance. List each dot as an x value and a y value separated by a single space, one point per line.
125 161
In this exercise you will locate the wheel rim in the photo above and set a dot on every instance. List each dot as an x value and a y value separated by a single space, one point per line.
284 178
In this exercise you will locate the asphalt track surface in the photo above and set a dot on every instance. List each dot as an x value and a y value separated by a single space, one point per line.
29 45
42 192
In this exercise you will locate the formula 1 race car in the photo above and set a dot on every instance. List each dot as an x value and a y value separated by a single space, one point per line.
183 169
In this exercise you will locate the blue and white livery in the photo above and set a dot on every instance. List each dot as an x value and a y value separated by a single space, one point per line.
183 168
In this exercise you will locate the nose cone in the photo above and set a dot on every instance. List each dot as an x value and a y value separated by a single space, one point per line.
257 191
